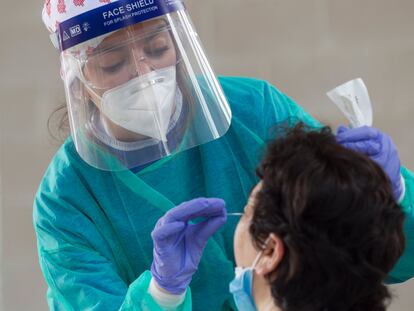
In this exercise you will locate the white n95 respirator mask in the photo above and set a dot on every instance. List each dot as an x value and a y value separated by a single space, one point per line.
144 104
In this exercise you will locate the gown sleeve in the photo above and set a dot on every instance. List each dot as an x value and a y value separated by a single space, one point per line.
76 261
404 269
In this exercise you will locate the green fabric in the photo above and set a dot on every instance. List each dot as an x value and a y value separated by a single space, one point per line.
404 269
141 300
93 227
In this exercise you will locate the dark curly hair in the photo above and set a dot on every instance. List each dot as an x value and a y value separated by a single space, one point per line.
335 212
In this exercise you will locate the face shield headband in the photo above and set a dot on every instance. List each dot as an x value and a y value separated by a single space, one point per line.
109 18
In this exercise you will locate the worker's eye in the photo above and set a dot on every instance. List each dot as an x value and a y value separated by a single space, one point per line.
109 62
157 53
113 68
158 46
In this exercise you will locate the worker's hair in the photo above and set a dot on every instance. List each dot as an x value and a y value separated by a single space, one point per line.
335 212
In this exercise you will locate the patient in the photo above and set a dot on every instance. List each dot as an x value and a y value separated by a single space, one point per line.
320 232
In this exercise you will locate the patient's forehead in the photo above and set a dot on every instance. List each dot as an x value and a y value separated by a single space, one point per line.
251 202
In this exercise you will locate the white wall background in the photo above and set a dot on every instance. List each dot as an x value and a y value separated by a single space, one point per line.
304 47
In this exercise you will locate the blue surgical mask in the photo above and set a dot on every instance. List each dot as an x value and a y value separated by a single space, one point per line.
242 287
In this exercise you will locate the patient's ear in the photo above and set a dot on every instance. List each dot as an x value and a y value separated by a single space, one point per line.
272 255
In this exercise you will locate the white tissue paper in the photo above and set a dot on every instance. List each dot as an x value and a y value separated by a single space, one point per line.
352 99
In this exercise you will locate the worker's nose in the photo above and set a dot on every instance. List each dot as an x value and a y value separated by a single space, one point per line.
140 63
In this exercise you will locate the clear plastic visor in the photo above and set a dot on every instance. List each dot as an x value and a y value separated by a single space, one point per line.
128 53
142 93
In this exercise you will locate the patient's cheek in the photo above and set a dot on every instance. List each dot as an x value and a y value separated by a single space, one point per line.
244 251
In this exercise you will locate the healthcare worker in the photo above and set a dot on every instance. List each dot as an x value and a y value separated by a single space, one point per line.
152 127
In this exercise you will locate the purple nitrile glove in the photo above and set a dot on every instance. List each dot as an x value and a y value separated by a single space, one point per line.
178 244
379 147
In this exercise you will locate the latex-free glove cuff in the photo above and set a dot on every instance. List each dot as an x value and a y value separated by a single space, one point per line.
174 285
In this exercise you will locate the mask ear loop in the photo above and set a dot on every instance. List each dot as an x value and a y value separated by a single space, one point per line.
98 100
259 256
76 68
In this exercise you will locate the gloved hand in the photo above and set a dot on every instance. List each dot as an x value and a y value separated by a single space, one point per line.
379 147
178 245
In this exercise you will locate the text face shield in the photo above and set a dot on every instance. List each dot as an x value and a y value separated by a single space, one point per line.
143 91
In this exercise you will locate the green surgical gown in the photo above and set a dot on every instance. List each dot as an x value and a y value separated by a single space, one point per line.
93 227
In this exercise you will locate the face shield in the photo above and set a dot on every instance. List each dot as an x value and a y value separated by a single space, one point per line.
138 84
